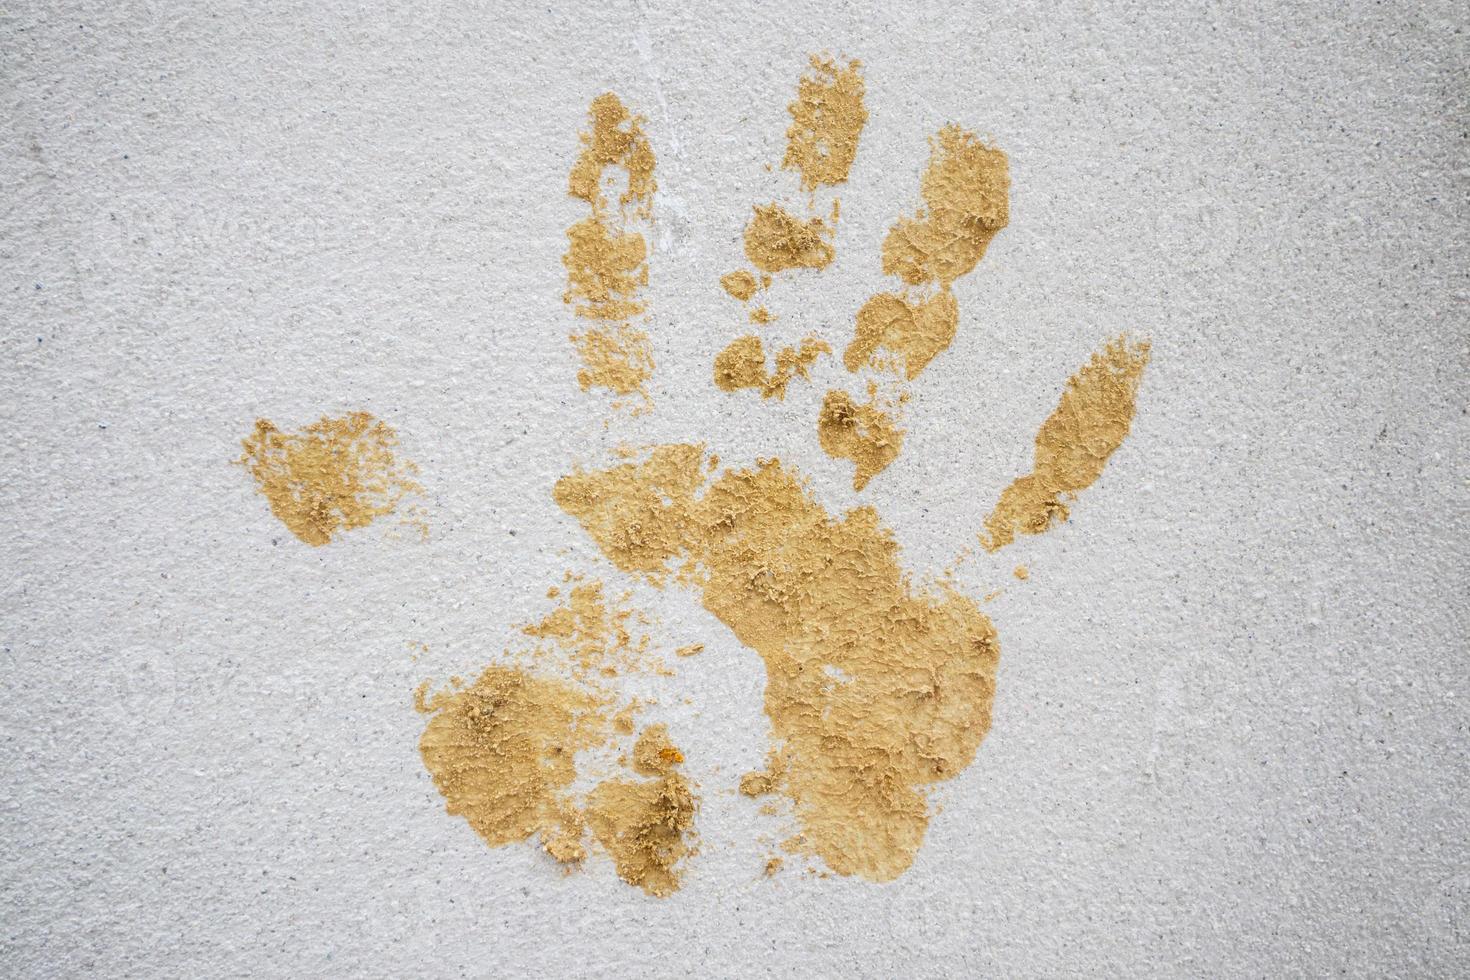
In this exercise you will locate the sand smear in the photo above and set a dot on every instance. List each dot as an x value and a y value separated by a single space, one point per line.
827 120
875 688
607 256
742 364
1074 443
966 194
503 751
334 475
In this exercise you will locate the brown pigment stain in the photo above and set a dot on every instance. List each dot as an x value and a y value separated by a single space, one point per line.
741 285
862 433
645 824
742 364
913 331
826 120
606 259
335 475
502 752
875 688
775 240
1074 443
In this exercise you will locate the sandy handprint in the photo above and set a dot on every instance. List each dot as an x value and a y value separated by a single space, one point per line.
877 686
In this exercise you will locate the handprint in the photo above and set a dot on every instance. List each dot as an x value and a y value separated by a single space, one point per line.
877 686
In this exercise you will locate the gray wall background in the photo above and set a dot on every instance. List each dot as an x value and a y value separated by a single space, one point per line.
1230 735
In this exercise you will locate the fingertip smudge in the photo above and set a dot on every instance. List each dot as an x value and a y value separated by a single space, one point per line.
966 192
776 240
827 120
1092 419
615 139
965 189
862 433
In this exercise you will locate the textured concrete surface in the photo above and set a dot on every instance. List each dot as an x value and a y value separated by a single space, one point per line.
1230 731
